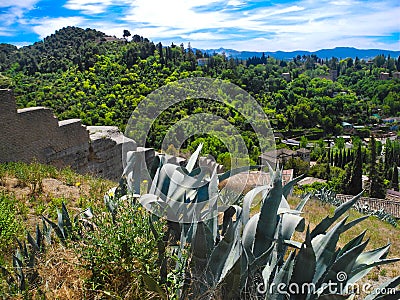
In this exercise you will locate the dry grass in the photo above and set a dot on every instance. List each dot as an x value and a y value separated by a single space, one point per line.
61 275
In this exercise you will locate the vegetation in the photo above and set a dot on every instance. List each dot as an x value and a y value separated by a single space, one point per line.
119 249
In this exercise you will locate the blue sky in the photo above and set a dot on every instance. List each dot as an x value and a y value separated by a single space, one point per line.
236 24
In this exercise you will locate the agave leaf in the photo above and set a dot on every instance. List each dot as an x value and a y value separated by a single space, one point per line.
248 200
193 158
56 228
372 256
235 280
249 233
227 218
292 244
361 271
391 284
155 179
23 250
261 261
132 171
324 246
153 286
328 221
18 265
220 253
267 222
164 180
303 202
233 256
345 263
66 220
354 222
39 237
199 253
156 165
288 186
33 243
282 277
46 232
304 266
353 243
290 224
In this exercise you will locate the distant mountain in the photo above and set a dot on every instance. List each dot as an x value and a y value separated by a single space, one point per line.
339 52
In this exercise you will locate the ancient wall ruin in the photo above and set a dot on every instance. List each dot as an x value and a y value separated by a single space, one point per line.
36 134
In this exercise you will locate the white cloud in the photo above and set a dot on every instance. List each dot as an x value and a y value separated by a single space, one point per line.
235 3
89 7
48 26
18 3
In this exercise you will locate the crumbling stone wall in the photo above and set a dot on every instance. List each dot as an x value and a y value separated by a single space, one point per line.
35 133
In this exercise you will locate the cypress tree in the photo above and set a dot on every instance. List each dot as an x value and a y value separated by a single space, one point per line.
328 156
354 185
395 178
377 187
328 171
344 161
340 159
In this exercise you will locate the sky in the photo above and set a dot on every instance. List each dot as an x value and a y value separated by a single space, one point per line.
209 24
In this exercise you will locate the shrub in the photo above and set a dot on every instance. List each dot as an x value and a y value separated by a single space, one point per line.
118 254
10 228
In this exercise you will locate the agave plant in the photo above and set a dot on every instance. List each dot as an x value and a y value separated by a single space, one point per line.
24 259
253 256
329 196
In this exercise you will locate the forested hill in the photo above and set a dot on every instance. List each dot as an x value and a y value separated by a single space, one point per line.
68 46
99 79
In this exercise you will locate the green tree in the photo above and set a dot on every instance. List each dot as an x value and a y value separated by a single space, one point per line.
340 143
376 180
298 165
126 34
395 178
353 182
303 142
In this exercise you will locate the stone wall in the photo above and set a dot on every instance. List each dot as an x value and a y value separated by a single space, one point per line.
105 151
36 134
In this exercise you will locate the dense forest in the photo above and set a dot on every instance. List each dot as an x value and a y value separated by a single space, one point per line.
99 79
